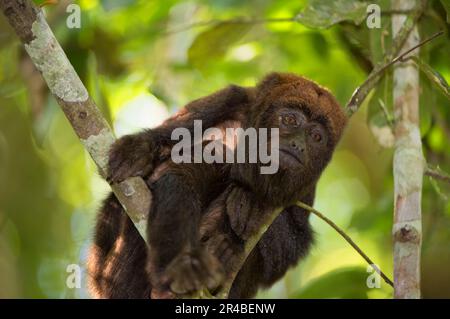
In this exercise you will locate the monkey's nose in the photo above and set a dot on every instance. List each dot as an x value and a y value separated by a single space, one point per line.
297 146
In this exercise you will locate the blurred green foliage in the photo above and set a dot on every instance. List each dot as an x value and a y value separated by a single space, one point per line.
149 58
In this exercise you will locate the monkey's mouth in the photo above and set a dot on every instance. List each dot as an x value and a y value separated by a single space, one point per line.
292 155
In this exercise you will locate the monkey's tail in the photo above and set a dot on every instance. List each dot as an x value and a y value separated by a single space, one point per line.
117 258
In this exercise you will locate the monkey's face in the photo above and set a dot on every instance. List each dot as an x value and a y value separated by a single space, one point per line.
304 138
310 123
309 119
301 140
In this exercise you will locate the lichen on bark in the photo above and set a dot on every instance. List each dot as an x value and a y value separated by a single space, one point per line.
59 74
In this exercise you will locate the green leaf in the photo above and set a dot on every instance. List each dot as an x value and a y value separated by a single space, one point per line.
446 5
349 282
214 42
434 76
325 13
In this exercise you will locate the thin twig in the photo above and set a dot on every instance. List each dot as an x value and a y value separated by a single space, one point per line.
228 21
379 71
348 239
437 174
244 20
375 76
386 114
402 56
253 241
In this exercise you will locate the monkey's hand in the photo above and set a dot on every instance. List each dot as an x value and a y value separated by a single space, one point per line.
245 212
131 155
193 271
216 235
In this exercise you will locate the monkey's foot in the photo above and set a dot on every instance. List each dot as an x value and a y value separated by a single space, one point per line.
193 271
131 155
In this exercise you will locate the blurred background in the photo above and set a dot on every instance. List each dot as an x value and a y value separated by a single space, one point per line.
142 60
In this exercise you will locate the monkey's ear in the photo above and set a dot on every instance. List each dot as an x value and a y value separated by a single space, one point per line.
270 80
275 79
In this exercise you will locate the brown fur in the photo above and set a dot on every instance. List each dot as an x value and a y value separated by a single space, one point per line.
202 214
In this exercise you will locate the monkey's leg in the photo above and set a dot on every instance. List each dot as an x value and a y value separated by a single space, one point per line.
178 262
116 262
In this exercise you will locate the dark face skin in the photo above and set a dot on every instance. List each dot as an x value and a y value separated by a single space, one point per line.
302 139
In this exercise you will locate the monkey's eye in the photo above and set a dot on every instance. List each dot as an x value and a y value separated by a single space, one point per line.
289 120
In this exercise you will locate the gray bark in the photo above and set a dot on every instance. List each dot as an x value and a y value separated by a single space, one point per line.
408 167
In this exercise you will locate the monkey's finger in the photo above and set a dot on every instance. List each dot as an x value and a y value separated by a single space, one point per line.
215 276
212 270
238 210
202 268
233 206
214 243
224 249
244 216
119 171
138 168
114 165
227 255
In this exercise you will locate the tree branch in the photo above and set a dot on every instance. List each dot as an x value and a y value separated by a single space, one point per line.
248 247
94 132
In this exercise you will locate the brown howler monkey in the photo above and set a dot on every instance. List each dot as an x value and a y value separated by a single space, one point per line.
202 214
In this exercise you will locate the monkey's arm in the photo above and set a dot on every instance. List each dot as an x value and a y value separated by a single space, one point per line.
237 215
229 221
282 246
139 154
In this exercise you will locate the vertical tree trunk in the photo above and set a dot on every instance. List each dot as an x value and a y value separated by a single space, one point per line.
408 167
